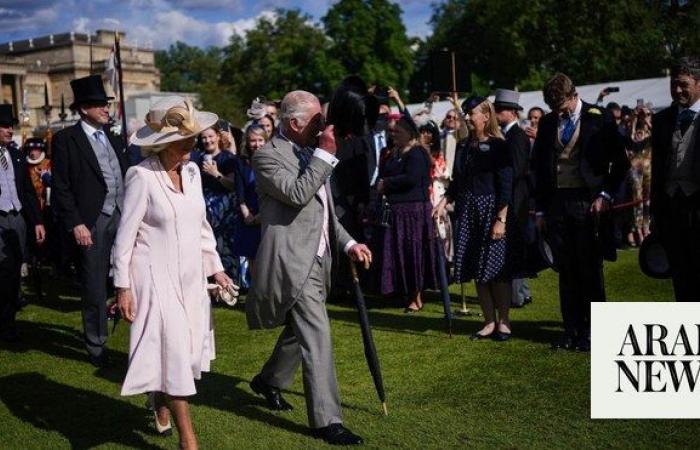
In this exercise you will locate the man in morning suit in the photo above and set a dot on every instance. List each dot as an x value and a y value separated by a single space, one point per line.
300 236
88 190
507 107
675 179
579 159
19 207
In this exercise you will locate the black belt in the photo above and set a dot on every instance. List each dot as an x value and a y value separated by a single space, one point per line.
12 212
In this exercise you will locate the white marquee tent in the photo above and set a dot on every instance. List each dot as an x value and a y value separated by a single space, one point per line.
654 92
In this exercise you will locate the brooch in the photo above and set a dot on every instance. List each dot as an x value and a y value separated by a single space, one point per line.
191 171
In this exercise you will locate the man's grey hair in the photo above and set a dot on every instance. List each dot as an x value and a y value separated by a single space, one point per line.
296 105
687 65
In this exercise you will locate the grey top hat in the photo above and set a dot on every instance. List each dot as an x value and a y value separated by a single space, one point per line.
506 98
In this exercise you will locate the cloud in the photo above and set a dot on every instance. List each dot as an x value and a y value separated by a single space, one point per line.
32 16
181 27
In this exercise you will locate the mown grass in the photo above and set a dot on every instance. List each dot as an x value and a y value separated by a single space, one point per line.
442 393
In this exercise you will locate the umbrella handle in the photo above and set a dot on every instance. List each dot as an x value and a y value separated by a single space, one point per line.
353 271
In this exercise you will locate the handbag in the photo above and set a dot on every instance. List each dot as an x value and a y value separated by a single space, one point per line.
228 294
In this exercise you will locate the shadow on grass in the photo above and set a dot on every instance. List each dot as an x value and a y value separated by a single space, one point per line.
58 294
544 332
85 418
64 343
226 393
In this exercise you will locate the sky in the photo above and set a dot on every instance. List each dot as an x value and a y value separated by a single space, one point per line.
159 23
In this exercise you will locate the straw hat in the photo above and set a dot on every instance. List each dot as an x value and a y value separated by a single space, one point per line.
172 119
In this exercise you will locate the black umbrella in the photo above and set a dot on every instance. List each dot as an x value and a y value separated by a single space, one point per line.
444 284
368 342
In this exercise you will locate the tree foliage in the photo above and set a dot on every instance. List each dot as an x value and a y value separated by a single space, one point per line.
369 39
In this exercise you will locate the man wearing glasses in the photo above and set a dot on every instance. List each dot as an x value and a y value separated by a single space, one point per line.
579 161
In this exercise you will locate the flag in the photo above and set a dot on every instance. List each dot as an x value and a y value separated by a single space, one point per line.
111 71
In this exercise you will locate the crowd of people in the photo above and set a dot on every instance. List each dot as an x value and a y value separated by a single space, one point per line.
192 206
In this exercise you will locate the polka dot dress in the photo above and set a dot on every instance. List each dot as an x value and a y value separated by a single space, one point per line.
477 256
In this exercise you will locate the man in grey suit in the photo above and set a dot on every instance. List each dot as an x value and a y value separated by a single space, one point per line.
300 236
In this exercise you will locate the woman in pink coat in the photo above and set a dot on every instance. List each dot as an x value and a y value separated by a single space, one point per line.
163 254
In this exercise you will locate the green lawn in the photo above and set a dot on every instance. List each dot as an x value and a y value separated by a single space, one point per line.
442 393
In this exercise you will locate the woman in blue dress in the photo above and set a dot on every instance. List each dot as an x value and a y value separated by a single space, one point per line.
218 168
481 189
248 230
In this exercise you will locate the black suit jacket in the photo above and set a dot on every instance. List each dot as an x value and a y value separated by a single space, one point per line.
663 126
79 188
604 162
519 149
25 189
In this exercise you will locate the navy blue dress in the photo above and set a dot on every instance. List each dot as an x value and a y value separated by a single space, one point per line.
222 208
247 236
482 185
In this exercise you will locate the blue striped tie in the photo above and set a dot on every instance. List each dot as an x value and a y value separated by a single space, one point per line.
568 131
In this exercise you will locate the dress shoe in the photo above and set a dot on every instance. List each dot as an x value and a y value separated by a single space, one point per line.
500 336
272 395
566 342
583 345
337 434
478 337
517 305
527 301
100 361
163 430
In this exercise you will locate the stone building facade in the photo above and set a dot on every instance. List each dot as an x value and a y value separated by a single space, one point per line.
30 67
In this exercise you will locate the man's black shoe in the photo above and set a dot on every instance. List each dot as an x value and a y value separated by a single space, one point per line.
337 434
527 301
272 395
566 342
101 361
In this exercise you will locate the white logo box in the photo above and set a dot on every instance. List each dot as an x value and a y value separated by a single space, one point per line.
610 324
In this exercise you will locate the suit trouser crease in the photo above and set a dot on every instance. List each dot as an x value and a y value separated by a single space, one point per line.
572 229
306 340
12 247
681 236
94 270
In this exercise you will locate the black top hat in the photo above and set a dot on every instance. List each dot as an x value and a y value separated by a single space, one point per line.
653 259
7 115
547 253
88 90
352 110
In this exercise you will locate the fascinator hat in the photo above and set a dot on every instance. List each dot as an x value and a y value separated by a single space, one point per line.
172 119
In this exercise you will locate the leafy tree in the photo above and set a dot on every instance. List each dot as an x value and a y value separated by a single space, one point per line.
369 39
278 55
185 68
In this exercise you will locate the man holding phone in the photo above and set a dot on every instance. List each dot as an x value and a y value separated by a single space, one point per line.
300 236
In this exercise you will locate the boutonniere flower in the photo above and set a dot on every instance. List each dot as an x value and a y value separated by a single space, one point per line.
116 129
595 111
191 172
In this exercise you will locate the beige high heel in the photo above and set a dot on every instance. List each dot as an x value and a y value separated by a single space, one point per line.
163 430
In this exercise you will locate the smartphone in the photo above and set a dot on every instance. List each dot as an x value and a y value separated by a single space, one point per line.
224 125
612 89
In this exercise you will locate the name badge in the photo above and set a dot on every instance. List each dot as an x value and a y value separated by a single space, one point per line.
484 147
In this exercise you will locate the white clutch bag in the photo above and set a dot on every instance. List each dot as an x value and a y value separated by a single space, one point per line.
228 295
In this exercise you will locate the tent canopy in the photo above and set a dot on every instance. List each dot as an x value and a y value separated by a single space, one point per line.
654 92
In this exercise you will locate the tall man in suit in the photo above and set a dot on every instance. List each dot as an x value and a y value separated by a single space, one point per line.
507 107
675 179
579 160
19 206
88 189
300 236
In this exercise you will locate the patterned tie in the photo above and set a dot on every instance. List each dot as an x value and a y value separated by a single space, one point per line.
568 131
3 158
304 155
101 138
685 118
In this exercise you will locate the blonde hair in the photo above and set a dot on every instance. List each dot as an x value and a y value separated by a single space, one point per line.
492 129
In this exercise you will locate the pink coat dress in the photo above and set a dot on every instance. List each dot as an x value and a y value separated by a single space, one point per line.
164 251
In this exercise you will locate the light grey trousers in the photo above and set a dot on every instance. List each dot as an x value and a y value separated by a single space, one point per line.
306 339
520 291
